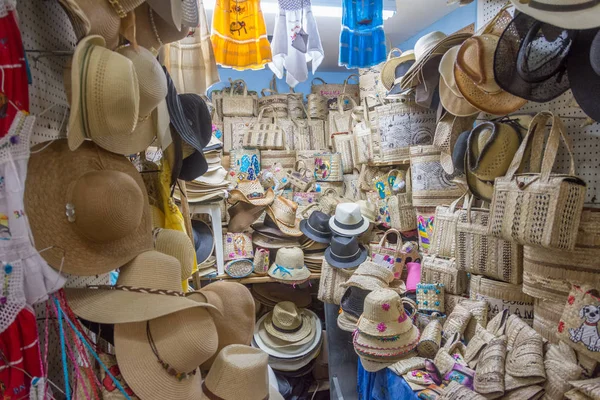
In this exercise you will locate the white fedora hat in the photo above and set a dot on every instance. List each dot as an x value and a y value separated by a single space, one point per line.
348 220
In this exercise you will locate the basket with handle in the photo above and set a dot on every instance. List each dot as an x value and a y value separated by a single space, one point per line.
442 270
301 179
340 120
309 134
431 185
331 91
400 207
443 242
578 324
239 105
295 103
394 257
285 158
363 135
317 106
272 98
264 135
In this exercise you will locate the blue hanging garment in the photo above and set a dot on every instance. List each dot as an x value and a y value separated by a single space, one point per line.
362 41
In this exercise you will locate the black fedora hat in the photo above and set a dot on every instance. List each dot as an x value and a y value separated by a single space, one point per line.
203 240
584 65
531 59
353 301
316 227
345 252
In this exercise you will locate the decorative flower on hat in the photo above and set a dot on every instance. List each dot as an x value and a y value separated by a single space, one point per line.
381 327
385 306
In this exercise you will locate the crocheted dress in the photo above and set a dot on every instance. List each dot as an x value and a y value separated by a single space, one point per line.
293 16
362 41
239 35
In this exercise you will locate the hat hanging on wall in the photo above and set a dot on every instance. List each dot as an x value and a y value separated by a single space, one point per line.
152 31
450 97
569 14
584 72
531 59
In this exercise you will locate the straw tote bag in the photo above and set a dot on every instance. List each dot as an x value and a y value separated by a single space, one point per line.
400 207
278 103
343 143
363 135
443 241
295 102
327 167
539 208
317 106
549 273
330 290
479 253
398 126
245 161
352 186
285 158
578 326
432 186
331 91
234 129
340 120
309 134
370 83
264 135
394 257
235 105
441 270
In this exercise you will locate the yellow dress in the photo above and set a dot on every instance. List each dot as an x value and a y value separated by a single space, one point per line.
239 35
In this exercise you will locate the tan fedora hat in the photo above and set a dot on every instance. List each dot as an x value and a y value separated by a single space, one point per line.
289 266
450 97
239 372
159 358
423 47
102 109
103 194
388 72
151 31
447 132
288 323
283 212
242 215
474 76
147 287
235 321
251 191
176 244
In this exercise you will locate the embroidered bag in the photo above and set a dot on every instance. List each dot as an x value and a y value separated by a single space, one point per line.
578 326
430 297
245 161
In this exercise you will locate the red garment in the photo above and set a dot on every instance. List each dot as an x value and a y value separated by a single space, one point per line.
13 88
19 345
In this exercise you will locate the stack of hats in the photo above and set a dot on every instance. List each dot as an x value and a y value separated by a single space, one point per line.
290 335
249 200
204 244
281 228
385 332
314 253
289 266
318 234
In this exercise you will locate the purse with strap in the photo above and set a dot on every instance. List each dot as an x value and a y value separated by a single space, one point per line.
539 208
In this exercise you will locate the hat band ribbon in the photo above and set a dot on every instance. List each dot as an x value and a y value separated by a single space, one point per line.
124 288
563 8
342 258
316 230
212 396
283 330
283 270
348 226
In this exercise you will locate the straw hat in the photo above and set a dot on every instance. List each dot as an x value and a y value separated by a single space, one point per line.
242 215
239 371
102 109
288 323
147 287
152 31
251 192
346 322
204 242
424 45
348 220
474 76
569 14
293 349
370 276
388 72
176 13
272 293
268 242
447 132
159 358
289 266
450 97
105 198
235 321
176 244
368 210
283 213
384 316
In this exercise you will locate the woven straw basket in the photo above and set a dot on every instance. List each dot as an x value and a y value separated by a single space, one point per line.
581 312
272 98
440 270
430 297
235 105
502 295
286 158
400 207
457 322
546 316
431 185
549 273
430 341
330 290
422 319
317 106
261 261
443 242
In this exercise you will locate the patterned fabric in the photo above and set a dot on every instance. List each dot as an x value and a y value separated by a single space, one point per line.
239 35
295 15
362 41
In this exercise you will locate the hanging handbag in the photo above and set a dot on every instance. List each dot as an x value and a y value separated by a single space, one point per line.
578 326
244 105
352 186
317 106
234 129
309 134
443 242
343 143
539 208
400 208
264 135
363 135
295 102
331 91
340 120
302 179
394 257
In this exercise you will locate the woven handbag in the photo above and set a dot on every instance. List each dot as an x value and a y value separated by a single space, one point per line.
295 103
352 186
479 253
330 290
549 273
578 326
309 134
502 296
489 379
331 91
431 185
539 208
479 311
443 242
398 126
237 246
302 180
457 321
425 226
394 257
278 103
285 158
430 297
400 207
441 270
234 129
245 161
261 261
363 135
344 144
317 106
264 135
371 85
327 167
430 341
239 105
422 319
340 120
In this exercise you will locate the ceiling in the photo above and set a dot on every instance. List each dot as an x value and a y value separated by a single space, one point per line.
411 17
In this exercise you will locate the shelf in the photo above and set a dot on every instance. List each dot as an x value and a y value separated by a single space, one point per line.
252 278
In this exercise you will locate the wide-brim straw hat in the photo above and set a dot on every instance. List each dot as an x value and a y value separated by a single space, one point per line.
376 349
239 371
304 329
91 116
450 97
384 316
272 293
184 340
285 353
204 242
474 76
108 200
176 244
214 175
388 72
294 276
177 13
251 192
283 212
294 349
268 242
235 322
374 366
148 287
370 276
568 14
